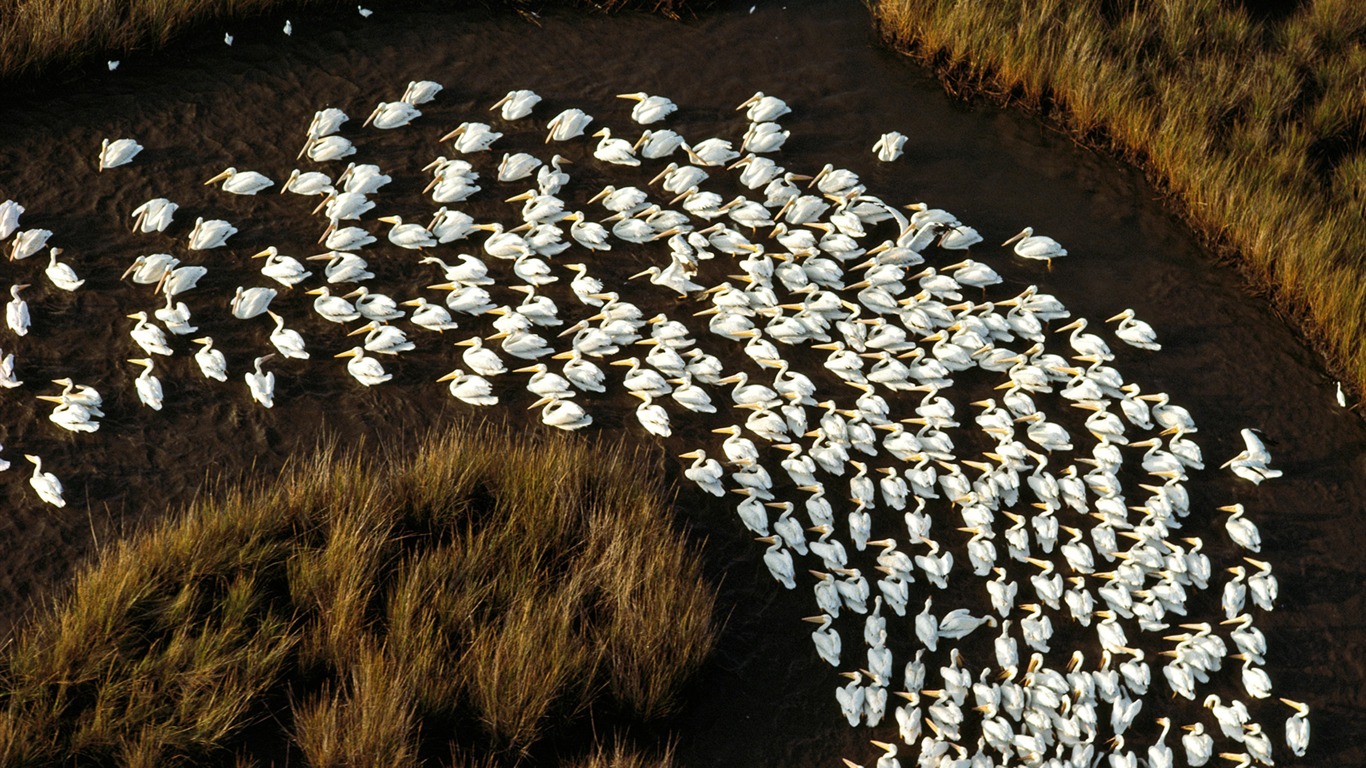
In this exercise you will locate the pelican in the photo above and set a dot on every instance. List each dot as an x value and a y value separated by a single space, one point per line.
763 108
176 317
711 152
481 359
285 270
154 215
176 281
16 311
516 104
1134 332
250 302
707 473
654 145
889 145
328 148
411 236
241 182
1297 727
567 125
366 370
261 385
392 114
433 317
517 166
334 309
562 414
288 342
345 238
363 179
615 151
28 242
61 275
1251 464
652 417
211 362
310 183
148 336
46 484
763 138
213 233
473 137
326 122
470 388
10 211
649 109
148 386
116 153
1037 247
343 267
1244 532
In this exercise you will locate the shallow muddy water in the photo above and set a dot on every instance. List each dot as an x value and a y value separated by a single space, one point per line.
767 699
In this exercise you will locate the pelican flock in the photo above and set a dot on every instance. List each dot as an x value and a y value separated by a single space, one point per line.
905 427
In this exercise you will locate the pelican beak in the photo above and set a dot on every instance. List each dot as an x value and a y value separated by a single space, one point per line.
219 177
347 353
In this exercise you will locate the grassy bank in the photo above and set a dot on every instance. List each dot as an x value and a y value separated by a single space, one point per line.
486 601
1256 126
39 36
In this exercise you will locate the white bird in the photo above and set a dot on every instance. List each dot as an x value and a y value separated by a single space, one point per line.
61 275
154 215
327 148
1038 247
652 417
27 243
471 137
649 109
414 237
615 151
118 152
8 378
470 388
567 125
213 233
392 114
433 317
366 370
176 317
10 211
147 385
261 384
517 165
1297 727
250 302
150 337
285 270
343 267
16 311
308 184
516 104
176 281
334 309
889 145
46 484
762 109
562 414
1134 332
1252 463
211 362
241 182
1244 532
287 341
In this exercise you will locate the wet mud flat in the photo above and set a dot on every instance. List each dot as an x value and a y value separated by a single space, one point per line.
767 700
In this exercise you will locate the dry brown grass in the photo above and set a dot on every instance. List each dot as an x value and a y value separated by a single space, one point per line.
1256 127
493 588
37 36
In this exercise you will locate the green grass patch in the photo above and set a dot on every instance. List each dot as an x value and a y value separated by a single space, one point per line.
478 601
1256 127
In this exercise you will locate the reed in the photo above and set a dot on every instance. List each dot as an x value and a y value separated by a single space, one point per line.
1255 127
38 36
485 592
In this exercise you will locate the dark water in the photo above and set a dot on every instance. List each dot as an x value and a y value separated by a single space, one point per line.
767 700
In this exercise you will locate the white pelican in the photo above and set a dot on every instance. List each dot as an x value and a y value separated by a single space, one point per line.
285 270
652 417
421 91
481 359
711 152
473 137
763 108
707 473
1251 463
562 414
343 267
345 238
334 309
392 114
649 109
213 233
1134 332
16 311
516 104
10 211
176 317
117 152
1038 247
249 302
241 182
174 282
383 339
1244 532
211 362
762 138
1199 746
470 388
545 382
414 237
327 148
148 386
654 145
889 145
46 484
615 151
366 370
154 215
326 122
289 342
72 417
261 385
583 374
567 125
433 317
516 166
28 242
8 378
148 336
364 179
61 275
310 183
344 206
1297 727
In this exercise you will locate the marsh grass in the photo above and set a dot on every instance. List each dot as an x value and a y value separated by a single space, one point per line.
1255 127
486 594
38 36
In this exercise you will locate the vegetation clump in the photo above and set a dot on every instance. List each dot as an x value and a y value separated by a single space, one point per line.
1255 123
476 602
